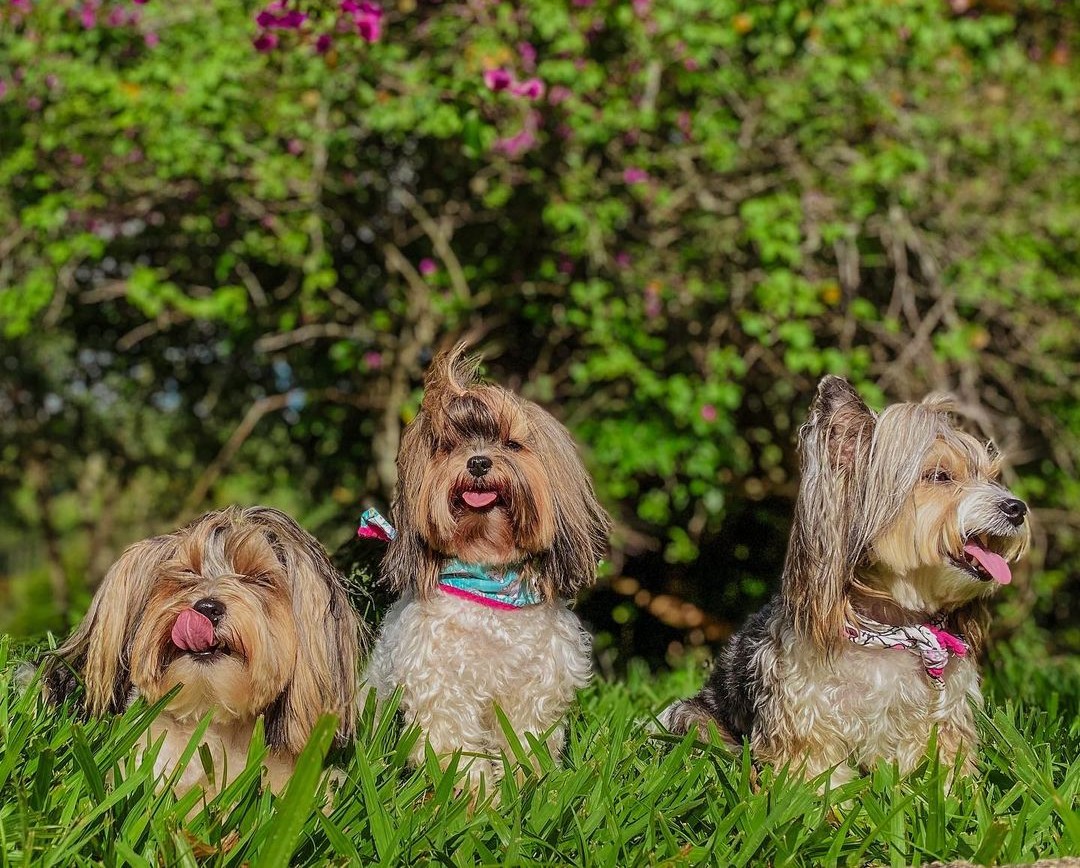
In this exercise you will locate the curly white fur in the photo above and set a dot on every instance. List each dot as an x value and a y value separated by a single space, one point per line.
456 660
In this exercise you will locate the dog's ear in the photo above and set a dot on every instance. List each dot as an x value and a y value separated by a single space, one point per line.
971 622
581 524
828 533
330 638
409 562
98 651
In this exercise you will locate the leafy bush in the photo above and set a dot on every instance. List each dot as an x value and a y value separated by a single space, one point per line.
224 268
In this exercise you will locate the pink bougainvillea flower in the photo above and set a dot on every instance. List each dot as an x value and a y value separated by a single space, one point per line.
88 15
367 17
117 17
708 413
642 7
34 104
323 43
295 147
559 94
22 6
635 176
151 39
622 259
498 79
289 20
265 42
532 88
516 145
373 359
427 266
527 53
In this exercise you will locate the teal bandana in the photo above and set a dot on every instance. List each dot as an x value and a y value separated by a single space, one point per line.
489 586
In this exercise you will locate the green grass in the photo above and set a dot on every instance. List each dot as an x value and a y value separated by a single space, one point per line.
621 797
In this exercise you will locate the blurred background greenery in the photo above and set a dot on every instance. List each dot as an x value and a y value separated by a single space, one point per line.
230 244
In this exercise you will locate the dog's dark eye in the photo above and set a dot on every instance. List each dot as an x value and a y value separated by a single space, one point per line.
514 446
940 476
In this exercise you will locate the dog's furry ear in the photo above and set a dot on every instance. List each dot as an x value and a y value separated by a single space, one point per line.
828 533
408 562
581 524
98 652
329 633
971 622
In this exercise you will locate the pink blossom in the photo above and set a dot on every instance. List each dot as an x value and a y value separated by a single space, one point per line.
566 265
265 42
691 64
151 39
140 2
366 16
88 15
77 160
295 147
532 88
527 53
34 104
498 79
708 412
635 176
559 94
116 17
622 259
641 7
427 266
516 145
323 43
289 20
22 6
373 359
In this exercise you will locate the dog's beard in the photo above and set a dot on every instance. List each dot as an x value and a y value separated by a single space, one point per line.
247 667
503 517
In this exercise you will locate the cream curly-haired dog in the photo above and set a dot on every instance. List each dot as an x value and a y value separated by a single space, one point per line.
497 528
901 534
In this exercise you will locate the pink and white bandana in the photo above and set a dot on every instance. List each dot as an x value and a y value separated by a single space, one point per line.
931 642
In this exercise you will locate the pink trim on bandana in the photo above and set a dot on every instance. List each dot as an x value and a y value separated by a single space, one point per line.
478 598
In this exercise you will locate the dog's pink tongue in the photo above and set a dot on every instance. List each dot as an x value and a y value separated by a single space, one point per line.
192 631
479 499
993 563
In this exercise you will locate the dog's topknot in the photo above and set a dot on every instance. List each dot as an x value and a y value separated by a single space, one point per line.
451 374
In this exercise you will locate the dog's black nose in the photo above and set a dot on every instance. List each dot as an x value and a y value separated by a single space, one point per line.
479 465
213 610
1014 510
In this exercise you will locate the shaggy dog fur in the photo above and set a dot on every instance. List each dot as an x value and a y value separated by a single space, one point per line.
244 610
900 524
493 480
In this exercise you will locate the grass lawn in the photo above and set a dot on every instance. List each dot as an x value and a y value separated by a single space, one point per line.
622 796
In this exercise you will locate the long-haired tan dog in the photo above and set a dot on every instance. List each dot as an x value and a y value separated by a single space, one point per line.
901 533
497 528
243 608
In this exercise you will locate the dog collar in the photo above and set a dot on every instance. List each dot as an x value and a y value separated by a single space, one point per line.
931 642
489 586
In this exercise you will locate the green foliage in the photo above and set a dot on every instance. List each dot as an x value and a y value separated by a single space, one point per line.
623 795
222 272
